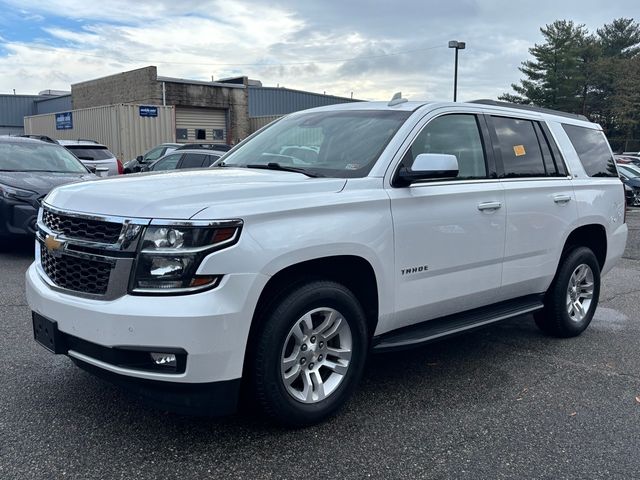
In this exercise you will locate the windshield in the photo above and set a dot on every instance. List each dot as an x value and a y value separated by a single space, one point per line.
90 153
342 144
40 156
630 170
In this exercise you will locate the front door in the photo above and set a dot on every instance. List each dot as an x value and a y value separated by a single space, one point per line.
449 234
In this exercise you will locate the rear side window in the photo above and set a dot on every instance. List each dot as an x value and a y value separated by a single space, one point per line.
519 148
593 150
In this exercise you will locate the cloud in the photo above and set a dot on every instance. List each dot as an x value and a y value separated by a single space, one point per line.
286 42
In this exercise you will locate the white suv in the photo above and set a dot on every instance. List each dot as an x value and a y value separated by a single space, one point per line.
410 221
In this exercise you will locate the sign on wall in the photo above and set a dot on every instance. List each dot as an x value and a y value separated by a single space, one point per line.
64 121
146 111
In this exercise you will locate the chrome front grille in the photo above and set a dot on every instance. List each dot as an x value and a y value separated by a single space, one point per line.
87 255
76 273
82 228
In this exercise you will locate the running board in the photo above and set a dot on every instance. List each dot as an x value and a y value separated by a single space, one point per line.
431 330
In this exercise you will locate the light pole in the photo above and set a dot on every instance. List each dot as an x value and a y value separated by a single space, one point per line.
458 46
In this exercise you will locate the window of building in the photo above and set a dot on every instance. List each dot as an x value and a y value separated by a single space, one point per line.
218 134
458 135
201 134
181 134
593 150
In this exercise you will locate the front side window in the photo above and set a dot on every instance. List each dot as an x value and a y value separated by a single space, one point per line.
519 148
458 135
341 144
593 150
154 154
167 163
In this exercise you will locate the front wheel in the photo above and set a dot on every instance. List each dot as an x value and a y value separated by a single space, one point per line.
571 301
310 353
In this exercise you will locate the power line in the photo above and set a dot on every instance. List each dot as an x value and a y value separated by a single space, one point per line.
166 62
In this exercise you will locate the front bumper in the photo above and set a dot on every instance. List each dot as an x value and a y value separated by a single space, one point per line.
212 327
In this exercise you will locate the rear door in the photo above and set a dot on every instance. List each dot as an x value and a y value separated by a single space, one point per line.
449 234
540 202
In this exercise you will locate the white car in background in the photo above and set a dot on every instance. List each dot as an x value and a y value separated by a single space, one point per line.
95 156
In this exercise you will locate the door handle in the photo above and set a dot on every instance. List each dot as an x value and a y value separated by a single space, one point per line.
561 198
489 206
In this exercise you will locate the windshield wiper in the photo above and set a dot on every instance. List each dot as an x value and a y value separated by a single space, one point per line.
283 168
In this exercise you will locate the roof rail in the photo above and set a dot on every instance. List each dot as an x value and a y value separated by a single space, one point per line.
43 138
531 108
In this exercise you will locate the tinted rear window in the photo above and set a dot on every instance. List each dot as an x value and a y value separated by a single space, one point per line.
593 150
90 153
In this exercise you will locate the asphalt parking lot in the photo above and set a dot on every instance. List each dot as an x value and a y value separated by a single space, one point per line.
502 402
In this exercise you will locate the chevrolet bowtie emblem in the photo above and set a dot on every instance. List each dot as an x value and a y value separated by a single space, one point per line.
52 243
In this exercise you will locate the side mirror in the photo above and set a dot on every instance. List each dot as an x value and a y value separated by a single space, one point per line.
139 159
428 166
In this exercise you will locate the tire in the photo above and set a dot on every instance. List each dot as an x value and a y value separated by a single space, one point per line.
297 340
560 316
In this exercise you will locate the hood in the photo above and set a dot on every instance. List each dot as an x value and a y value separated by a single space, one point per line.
41 182
182 194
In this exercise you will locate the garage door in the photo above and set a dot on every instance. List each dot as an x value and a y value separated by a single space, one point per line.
201 125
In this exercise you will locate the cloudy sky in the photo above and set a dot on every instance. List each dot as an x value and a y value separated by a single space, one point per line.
367 47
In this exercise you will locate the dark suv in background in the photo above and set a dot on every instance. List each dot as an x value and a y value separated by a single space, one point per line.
29 169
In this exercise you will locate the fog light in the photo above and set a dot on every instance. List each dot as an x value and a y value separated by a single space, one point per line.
164 359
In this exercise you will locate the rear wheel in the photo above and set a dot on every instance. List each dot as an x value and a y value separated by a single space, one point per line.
572 299
310 353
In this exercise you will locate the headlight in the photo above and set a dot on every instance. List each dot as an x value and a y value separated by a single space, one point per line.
16 193
171 254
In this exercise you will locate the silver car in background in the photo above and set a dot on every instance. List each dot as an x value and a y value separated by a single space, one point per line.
95 156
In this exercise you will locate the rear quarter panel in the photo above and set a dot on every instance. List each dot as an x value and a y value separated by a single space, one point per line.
599 201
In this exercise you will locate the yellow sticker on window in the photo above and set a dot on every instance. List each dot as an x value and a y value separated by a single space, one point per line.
519 150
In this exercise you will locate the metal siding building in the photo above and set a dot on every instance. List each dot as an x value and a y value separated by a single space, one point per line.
13 109
210 122
268 101
119 127
53 104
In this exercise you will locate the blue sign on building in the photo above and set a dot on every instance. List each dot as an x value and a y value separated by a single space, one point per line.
64 121
146 111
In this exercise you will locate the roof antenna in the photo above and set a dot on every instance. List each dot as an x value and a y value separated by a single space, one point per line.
396 100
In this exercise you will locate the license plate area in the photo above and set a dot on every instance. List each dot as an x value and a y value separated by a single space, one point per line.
46 333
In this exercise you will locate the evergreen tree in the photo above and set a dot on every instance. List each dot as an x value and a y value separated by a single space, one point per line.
596 75
555 78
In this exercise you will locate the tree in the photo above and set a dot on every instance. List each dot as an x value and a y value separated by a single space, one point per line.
595 75
556 77
614 87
